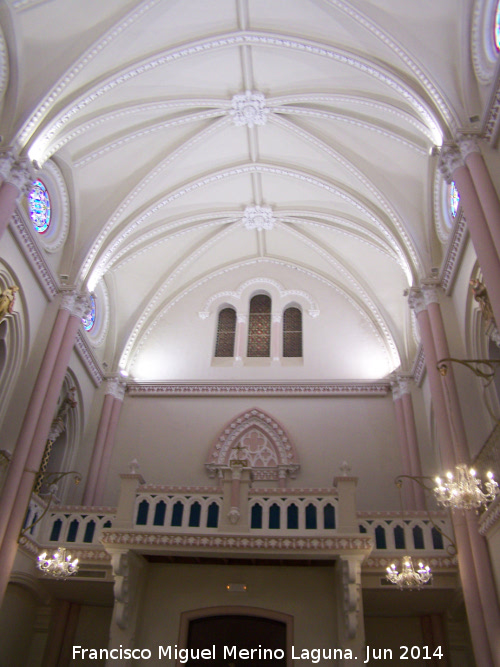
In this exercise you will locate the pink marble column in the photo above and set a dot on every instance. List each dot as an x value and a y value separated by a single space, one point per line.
96 460
412 443
276 337
407 490
417 303
471 153
461 448
486 584
453 168
32 416
37 447
239 347
476 613
15 184
118 392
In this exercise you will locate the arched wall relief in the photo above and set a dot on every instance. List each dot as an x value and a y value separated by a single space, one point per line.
257 438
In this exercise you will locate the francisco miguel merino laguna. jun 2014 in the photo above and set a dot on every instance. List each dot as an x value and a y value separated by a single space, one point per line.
314 655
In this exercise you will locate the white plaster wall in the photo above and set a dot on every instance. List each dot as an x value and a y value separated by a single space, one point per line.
306 593
340 343
171 439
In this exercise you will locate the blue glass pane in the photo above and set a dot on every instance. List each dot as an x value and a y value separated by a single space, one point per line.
142 513
418 537
437 539
89 320
380 541
274 516
329 516
177 513
89 532
399 537
497 27
454 199
39 206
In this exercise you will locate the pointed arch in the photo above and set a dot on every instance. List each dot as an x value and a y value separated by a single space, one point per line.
261 440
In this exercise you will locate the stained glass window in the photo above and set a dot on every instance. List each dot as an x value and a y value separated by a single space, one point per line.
259 326
292 333
39 206
226 330
453 199
497 27
89 320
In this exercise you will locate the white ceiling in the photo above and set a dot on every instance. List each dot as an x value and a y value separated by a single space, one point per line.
133 101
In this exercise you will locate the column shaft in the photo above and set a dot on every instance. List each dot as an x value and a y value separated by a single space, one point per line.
486 193
34 458
460 445
109 444
407 490
33 410
438 401
413 452
480 236
100 439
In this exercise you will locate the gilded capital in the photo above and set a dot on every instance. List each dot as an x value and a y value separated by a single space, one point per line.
450 159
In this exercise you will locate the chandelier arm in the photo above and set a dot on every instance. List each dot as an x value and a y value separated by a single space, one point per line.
472 365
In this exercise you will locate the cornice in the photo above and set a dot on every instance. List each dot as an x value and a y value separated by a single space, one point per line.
454 253
258 389
436 563
491 122
418 369
243 543
34 255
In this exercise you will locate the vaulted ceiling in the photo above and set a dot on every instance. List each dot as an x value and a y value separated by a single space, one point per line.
171 118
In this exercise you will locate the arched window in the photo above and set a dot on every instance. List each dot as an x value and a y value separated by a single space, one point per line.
259 326
39 206
453 199
292 332
496 27
226 330
88 320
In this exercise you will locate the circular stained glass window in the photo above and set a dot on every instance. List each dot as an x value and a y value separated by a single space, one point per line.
39 206
453 199
89 320
496 27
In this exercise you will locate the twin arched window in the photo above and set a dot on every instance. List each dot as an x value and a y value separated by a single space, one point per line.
259 330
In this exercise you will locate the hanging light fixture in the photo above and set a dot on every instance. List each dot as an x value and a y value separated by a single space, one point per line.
464 491
409 579
59 565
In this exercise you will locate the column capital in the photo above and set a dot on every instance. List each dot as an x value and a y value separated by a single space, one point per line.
450 159
400 385
7 159
430 292
116 388
416 300
467 144
78 305
241 319
21 175
277 317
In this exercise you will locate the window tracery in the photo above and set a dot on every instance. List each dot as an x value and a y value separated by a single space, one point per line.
39 206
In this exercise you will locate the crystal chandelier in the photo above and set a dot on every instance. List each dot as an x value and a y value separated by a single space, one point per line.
59 565
409 578
465 491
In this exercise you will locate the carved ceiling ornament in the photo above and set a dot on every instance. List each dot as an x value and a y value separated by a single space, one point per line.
259 439
258 217
249 109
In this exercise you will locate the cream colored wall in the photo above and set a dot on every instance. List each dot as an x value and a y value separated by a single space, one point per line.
92 631
171 439
306 593
390 633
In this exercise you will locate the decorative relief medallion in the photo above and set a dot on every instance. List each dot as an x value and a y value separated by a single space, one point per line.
249 109
258 217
